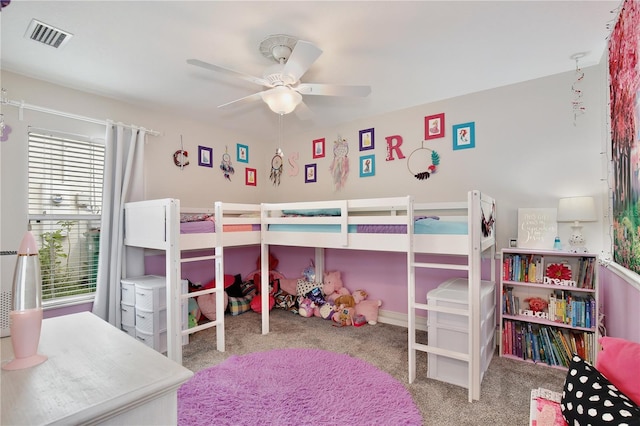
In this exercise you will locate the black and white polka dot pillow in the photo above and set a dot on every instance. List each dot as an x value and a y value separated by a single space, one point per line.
588 398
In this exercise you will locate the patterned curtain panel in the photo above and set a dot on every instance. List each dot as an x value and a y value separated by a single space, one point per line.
624 73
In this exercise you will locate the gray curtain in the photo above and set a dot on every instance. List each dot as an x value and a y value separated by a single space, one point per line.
123 176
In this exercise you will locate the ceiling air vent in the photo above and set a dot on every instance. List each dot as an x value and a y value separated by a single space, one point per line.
46 34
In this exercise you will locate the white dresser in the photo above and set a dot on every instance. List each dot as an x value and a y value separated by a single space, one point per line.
95 374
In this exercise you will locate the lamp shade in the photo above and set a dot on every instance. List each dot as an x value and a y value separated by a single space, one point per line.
281 99
576 209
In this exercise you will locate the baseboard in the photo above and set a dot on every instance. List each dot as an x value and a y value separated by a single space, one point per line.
400 319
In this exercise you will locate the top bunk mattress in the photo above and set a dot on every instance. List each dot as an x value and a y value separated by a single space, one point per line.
207 224
423 225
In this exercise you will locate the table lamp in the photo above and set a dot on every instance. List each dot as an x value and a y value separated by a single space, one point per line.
576 210
25 318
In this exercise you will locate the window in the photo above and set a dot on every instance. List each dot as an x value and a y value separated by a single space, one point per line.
65 202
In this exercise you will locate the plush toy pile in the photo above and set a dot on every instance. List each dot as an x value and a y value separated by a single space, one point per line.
331 300
328 299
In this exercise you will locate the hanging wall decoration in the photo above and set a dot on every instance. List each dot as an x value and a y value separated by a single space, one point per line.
205 156
464 136
318 148
250 177
276 167
434 126
340 165
423 162
180 156
367 165
577 103
242 153
226 166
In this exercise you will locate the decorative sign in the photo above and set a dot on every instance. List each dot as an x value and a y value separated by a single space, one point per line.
537 228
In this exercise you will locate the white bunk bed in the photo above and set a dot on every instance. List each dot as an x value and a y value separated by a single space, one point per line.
349 227
156 224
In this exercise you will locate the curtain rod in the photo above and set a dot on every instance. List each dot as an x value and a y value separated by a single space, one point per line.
22 105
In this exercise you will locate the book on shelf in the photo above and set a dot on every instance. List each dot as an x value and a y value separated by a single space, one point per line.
543 343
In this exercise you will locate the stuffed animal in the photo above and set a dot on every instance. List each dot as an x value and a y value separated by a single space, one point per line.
332 286
343 315
256 302
306 307
537 304
325 311
207 304
368 308
346 300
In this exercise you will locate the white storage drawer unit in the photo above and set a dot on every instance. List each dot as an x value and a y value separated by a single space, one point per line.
449 331
128 312
151 292
144 310
150 321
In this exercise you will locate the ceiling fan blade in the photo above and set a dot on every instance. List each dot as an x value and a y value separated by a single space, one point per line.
332 90
243 101
303 112
303 56
226 71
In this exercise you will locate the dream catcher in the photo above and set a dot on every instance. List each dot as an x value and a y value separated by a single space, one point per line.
340 165
276 167
226 166
423 162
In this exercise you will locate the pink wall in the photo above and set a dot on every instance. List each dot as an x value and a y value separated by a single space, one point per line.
620 303
382 274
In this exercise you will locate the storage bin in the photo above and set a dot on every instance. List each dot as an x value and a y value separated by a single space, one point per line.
449 331
128 292
453 370
453 294
151 292
128 314
129 329
151 322
157 341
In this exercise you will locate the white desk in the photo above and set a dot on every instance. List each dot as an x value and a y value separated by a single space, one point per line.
95 374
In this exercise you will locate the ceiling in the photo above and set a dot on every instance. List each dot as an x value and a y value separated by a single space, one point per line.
410 53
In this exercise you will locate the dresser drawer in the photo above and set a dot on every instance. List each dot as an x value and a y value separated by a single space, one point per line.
157 341
151 322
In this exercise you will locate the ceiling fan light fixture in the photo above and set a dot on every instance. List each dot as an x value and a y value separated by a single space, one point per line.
281 99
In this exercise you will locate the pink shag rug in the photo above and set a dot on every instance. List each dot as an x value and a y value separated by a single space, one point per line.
295 387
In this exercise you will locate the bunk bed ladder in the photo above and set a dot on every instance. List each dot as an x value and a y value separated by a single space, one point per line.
175 297
472 266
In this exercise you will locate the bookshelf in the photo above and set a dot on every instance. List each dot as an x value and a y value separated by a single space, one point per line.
549 306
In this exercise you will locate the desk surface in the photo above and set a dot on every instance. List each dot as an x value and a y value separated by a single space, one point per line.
94 371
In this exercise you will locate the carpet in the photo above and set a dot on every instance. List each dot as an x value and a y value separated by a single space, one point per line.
295 386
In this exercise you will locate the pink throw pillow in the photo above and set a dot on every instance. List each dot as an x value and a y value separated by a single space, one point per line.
619 361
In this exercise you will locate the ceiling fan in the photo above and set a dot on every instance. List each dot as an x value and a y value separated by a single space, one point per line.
284 90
